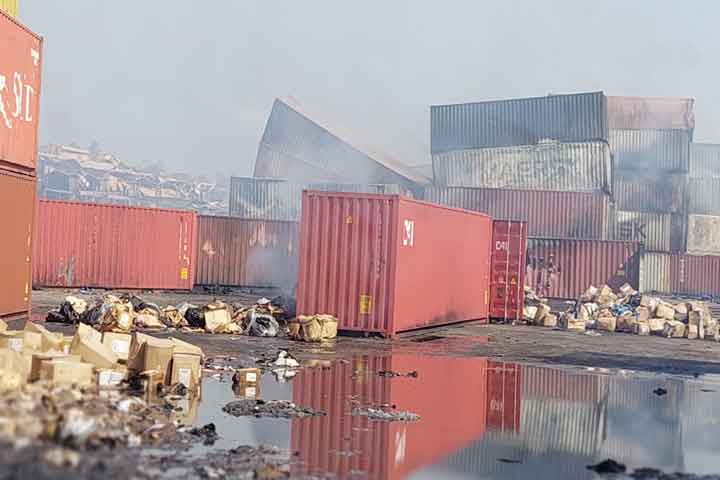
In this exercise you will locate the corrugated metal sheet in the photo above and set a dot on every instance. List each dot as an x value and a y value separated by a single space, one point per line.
565 268
562 384
17 197
651 150
10 7
293 140
276 199
104 246
507 270
644 193
703 235
578 167
578 117
695 275
549 214
655 274
504 391
651 112
246 253
704 160
704 196
20 70
660 232
367 259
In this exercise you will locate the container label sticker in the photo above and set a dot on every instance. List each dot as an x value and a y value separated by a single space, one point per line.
184 376
109 378
251 392
348 220
120 346
365 304
251 377
184 273
487 297
16 344
409 233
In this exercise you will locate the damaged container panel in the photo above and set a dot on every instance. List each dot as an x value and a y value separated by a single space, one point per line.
660 232
367 259
20 70
578 117
655 274
577 167
704 160
507 270
651 150
107 246
704 196
547 213
17 195
564 268
666 193
651 113
703 235
246 253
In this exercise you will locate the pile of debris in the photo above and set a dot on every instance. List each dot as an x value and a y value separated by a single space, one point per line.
626 311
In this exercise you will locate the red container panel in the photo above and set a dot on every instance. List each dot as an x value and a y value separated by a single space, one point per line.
17 197
108 246
695 275
246 253
20 68
507 270
387 450
565 268
504 392
386 264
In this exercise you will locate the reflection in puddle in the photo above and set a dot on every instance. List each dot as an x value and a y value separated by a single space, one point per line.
478 418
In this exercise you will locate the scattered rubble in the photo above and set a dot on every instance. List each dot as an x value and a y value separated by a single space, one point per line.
608 466
273 408
383 415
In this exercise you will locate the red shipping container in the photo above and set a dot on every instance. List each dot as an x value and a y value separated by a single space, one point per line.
109 246
562 384
565 268
449 395
695 275
20 59
507 270
387 264
17 197
504 392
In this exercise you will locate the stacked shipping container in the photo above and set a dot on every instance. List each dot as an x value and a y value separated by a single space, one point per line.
20 70
703 232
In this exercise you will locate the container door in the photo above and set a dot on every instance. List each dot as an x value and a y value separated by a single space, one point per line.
504 387
507 270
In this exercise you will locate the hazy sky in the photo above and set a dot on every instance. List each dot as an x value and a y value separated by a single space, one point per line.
190 83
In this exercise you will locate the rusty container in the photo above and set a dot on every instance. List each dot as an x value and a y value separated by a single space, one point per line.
17 195
651 113
504 396
387 450
507 270
20 69
246 253
108 246
386 264
565 268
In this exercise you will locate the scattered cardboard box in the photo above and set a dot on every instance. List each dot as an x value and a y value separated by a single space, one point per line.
186 369
665 311
91 350
3 325
641 328
13 340
656 324
180 346
111 377
118 343
606 321
692 332
67 372
542 311
575 324
247 375
49 340
626 322
39 357
13 371
150 353
248 391
643 314
550 320
32 341
84 331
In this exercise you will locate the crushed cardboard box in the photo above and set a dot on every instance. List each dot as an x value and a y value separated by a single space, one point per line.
92 350
48 340
13 372
187 370
149 353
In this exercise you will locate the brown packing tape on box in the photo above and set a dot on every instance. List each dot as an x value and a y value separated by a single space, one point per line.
150 353
111 377
118 343
66 372
94 352
13 371
186 369
37 359
50 340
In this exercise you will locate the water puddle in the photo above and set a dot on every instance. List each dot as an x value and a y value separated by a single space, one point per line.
478 418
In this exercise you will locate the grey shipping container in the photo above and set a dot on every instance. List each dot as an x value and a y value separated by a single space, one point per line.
655 272
276 199
659 232
704 160
645 192
703 235
578 167
577 117
651 150
704 196
299 148
651 112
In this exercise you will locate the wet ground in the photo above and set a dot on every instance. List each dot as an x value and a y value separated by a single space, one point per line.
493 402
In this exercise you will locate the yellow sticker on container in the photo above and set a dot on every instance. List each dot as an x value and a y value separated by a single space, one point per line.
365 304
184 273
487 297
348 220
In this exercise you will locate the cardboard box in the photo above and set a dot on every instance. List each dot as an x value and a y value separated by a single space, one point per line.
37 358
641 328
3 326
247 375
188 405
67 372
576 325
85 331
118 343
656 324
111 377
32 341
13 371
49 340
184 347
94 352
186 369
665 311
692 332
248 391
542 311
150 353
606 322
626 322
66 342
643 314
550 320
13 340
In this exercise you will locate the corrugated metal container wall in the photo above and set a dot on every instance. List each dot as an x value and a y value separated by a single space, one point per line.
549 214
20 66
651 150
664 194
565 268
575 167
246 253
704 196
561 384
703 235
10 7
104 246
704 160
651 112
660 232
578 117
504 391
17 197
386 450
367 259
507 270
655 275
271 163
695 275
